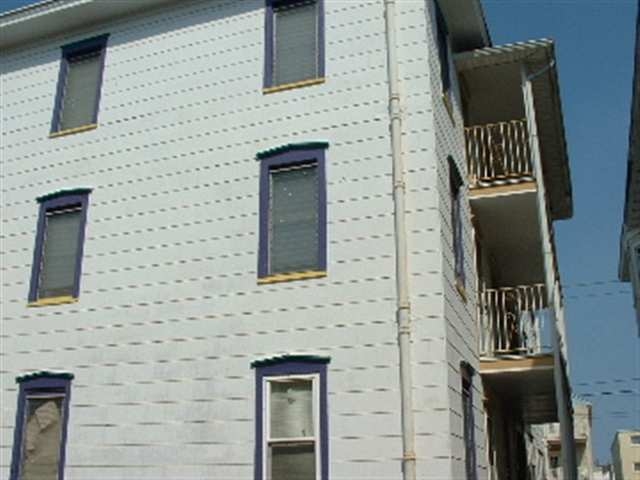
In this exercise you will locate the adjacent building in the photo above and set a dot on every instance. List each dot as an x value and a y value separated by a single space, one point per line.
629 270
582 421
279 239
625 454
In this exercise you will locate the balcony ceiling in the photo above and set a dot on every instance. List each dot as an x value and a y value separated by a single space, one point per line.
525 383
491 82
508 225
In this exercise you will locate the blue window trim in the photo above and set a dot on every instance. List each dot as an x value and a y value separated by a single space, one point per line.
291 365
269 39
443 49
54 201
456 185
288 155
83 47
40 382
467 373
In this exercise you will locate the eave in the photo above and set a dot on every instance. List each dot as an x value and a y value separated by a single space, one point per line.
49 18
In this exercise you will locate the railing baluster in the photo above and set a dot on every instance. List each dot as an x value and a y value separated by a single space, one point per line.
496 151
509 319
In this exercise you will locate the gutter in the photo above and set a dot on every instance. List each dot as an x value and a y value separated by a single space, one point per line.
403 306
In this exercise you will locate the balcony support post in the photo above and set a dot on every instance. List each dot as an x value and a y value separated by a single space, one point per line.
560 372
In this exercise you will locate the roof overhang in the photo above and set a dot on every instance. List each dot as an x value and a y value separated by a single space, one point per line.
50 18
466 24
538 57
465 19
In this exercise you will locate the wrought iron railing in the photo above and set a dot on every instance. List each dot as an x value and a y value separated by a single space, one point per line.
498 152
510 319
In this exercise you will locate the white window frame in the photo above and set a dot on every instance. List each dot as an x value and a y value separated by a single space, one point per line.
267 441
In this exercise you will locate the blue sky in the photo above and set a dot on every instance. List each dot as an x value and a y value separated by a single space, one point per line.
595 42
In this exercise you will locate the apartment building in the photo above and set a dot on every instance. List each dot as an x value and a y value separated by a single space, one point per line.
629 269
279 239
625 455
582 422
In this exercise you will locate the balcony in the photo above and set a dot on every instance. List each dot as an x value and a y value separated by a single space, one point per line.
510 320
514 364
498 154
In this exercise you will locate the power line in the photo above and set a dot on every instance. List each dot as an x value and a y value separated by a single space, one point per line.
594 283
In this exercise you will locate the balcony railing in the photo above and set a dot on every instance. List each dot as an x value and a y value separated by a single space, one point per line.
510 320
498 152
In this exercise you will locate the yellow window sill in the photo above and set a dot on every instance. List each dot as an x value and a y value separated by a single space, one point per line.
291 86
46 302
461 290
290 277
71 131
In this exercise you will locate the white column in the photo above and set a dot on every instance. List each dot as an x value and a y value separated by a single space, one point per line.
560 372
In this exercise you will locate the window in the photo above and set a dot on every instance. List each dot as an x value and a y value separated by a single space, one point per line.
41 426
291 418
456 198
79 84
636 466
292 213
468 421
57 258
443 50
635 439
294 43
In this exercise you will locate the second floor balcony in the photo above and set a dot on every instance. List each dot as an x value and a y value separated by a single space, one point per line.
511 320
498 153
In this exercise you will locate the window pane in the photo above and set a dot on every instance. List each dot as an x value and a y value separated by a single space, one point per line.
292 462
295 43
41 439
81 87
291 408
294 238
57 276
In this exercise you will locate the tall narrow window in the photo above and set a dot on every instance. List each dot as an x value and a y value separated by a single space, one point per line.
57 258
443 50
456 198
291 418
294 42
79 85
468 421
41 426
292 212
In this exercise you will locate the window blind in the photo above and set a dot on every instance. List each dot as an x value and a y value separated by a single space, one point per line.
57 276
294 237
80 91
291 409
295 55
292 462
41 443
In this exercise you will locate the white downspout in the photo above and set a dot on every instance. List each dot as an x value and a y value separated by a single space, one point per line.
403 312
553 298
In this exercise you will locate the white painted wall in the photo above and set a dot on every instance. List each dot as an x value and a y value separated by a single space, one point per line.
170 315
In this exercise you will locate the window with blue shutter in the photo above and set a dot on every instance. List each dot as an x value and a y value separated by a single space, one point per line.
57 255
294 44
456 198
79 85
292 212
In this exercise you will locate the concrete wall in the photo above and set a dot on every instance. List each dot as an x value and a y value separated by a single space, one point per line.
170 315
624 454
